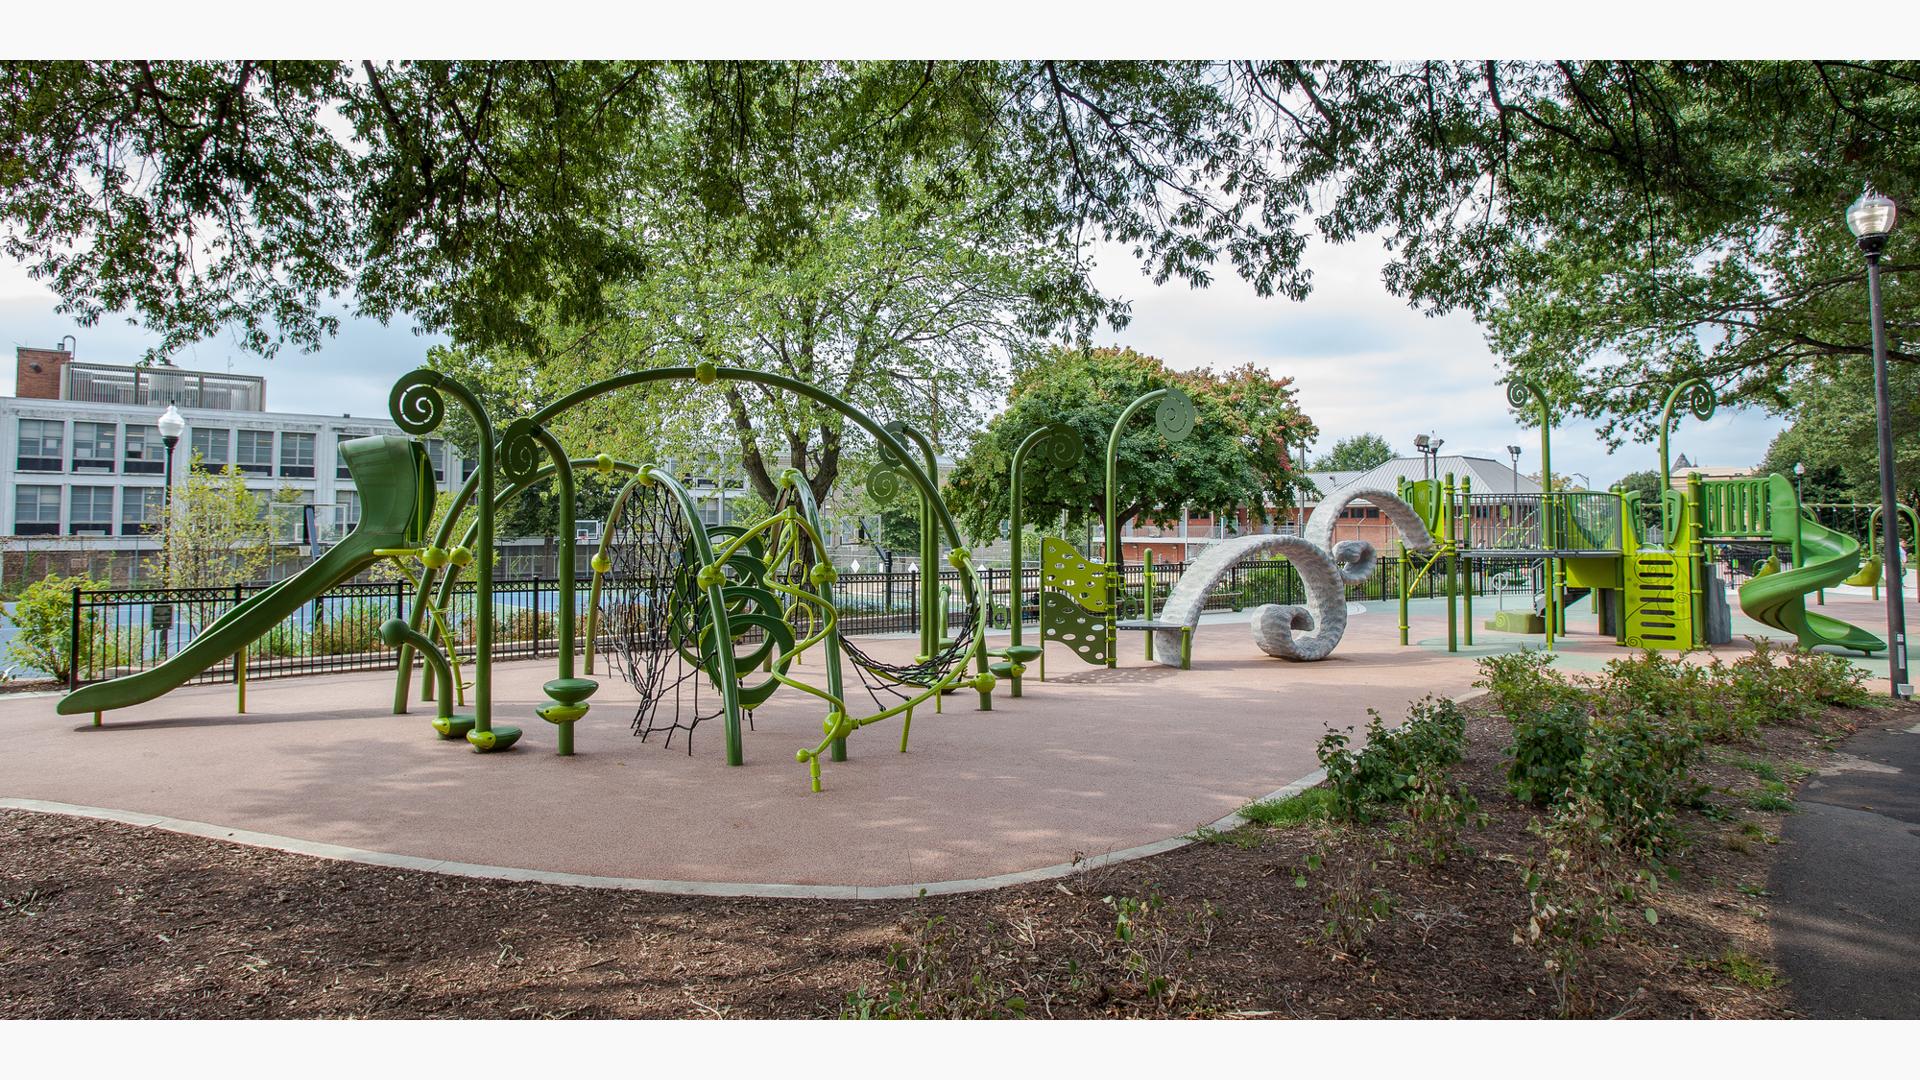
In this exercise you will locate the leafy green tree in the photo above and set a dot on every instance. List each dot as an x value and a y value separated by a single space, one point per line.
489 198
213 533
1835 435
1357 453
1236 457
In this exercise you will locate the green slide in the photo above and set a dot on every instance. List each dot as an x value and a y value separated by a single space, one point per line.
396 489
1780 600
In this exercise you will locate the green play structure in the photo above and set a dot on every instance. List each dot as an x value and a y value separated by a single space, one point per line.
705 621
1653 590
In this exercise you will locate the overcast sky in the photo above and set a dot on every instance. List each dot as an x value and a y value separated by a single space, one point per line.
1362 360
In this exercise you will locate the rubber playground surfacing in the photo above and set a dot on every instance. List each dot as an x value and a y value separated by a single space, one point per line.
1091 762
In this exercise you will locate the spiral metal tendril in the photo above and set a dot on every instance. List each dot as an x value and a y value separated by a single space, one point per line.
1521 393
1698 398
885 484
520 451
415 402
1174 417
1064 446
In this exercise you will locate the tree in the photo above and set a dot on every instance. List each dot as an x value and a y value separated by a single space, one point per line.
214 533
484 197
1356 453
1835 435
1618 226
1236 457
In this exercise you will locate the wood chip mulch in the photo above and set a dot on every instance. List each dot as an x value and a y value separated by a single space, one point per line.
106 920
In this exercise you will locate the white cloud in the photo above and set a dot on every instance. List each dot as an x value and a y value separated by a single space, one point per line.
1363 360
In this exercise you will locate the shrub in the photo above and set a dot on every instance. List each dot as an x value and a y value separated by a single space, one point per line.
1524 682
1635 773
1546 750
43 617
1579 895
285 639
352 627
1433 737
1667 687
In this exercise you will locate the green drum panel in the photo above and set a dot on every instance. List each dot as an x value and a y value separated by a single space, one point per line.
1064 570
1068 623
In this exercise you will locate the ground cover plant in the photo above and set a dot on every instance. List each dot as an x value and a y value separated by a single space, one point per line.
1429 877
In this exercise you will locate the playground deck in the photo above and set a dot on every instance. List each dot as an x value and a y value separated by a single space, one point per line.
1093 761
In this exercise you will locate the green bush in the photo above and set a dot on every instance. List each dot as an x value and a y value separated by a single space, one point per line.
349 628
1544 757
1524 682
1636 771
43 617
1662 686
1433 737
285 639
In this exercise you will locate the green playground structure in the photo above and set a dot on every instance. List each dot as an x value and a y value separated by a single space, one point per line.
687 611
1656 591
707 622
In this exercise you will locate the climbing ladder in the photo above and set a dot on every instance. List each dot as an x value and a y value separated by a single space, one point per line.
1659 611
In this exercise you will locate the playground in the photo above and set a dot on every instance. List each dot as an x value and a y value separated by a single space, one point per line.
720 647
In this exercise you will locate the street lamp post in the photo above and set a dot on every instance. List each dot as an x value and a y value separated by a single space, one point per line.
1871 219
171 425
1429 448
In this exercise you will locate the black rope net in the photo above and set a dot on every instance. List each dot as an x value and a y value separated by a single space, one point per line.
653 614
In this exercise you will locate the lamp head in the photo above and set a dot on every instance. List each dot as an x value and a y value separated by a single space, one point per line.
1513 451
171 423
1420 442
1871 219
1799 468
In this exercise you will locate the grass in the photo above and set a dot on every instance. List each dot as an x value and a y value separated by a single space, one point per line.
1749 971
1772 772
1770 797
1310 805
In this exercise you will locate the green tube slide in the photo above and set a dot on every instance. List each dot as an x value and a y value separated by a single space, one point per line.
1780 600
396 503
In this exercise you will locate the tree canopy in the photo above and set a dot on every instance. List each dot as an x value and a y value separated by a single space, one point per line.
1616 226
1236 457
1356 452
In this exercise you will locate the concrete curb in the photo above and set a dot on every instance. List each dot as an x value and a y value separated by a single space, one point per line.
319 850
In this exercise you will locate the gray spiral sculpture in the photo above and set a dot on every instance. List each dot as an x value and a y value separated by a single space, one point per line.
1293 631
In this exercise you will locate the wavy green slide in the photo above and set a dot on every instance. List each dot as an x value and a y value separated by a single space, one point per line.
396 489
1780 600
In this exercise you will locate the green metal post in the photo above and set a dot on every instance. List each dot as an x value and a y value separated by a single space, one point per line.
1446 544
1466 563
1146 589
567 695
1174 420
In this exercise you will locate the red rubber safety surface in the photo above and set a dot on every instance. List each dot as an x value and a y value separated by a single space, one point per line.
1092 761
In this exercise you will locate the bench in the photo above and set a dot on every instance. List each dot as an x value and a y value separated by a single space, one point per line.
1151 625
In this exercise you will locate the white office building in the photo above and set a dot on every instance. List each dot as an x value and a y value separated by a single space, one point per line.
84 467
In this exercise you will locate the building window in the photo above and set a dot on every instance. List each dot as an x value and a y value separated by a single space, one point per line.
296 454
90 511
254 453
212 445
346 511
92 447
437 454
340 460
468 466
36 510
145 452
287 517
140 510
41 445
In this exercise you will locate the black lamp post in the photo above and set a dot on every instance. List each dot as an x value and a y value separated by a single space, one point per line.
1871 219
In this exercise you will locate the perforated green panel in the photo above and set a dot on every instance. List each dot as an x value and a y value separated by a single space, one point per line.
1063 570
1071 625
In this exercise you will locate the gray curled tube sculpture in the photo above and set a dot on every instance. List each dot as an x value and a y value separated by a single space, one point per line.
1293 631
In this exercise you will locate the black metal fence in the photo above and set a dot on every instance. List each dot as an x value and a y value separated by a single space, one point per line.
117 632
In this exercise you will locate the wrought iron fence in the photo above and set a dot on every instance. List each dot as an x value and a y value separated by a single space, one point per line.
118 632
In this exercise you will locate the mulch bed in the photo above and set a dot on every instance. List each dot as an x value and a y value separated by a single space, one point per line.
105 920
